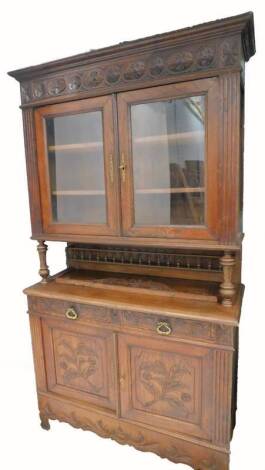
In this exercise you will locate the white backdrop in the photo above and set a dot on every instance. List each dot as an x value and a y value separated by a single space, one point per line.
32 32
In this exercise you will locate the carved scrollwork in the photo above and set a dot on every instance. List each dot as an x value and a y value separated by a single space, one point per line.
177 452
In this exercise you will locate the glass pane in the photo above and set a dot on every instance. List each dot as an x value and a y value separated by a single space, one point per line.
76 168
168 161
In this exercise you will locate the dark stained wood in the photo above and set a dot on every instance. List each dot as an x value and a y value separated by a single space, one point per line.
159 59
137 340
32 170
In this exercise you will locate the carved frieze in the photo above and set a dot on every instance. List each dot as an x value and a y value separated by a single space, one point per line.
159 67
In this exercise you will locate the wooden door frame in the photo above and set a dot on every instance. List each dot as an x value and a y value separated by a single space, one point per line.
106 105
205 401
48 326
209 87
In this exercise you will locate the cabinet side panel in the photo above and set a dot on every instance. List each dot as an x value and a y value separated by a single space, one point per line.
38 356
230 156
223 361
32 171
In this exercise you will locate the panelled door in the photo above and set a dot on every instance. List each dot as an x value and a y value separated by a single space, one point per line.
79 362
77 167
167 384
168 137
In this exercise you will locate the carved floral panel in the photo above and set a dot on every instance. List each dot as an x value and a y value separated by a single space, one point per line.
165 383
80 362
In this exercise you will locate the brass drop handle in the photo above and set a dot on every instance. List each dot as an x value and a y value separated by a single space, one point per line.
163 328
71 314
122 167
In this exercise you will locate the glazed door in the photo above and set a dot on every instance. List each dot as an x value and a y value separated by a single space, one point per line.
169 160
79 362
77 167
167 384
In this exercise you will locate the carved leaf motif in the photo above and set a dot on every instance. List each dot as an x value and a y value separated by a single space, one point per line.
165 384
77 362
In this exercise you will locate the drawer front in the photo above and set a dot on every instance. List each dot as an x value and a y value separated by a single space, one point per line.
79 362
153 323
84 313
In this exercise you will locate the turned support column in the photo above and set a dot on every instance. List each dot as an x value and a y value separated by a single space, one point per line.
227 288
44 270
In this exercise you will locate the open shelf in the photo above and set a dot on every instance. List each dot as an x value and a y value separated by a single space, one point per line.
78 146
181 137
79 192
169 190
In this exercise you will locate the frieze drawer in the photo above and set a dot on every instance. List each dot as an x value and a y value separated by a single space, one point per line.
120 320
180 327
73 311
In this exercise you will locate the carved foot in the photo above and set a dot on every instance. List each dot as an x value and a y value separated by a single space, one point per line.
44 422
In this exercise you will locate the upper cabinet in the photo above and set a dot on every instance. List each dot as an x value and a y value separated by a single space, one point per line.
141 143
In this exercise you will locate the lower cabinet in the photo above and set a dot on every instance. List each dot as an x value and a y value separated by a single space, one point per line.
167 384
177 386
79 362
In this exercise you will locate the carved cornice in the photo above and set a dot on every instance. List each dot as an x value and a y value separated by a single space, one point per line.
154 60
161 66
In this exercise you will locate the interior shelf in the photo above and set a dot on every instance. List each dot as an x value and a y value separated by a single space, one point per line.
169 190
177 137
80 192
78 146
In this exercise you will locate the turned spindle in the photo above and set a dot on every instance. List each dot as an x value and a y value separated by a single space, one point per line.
44 270
227 288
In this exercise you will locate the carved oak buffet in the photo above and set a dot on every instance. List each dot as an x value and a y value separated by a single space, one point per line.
134 158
